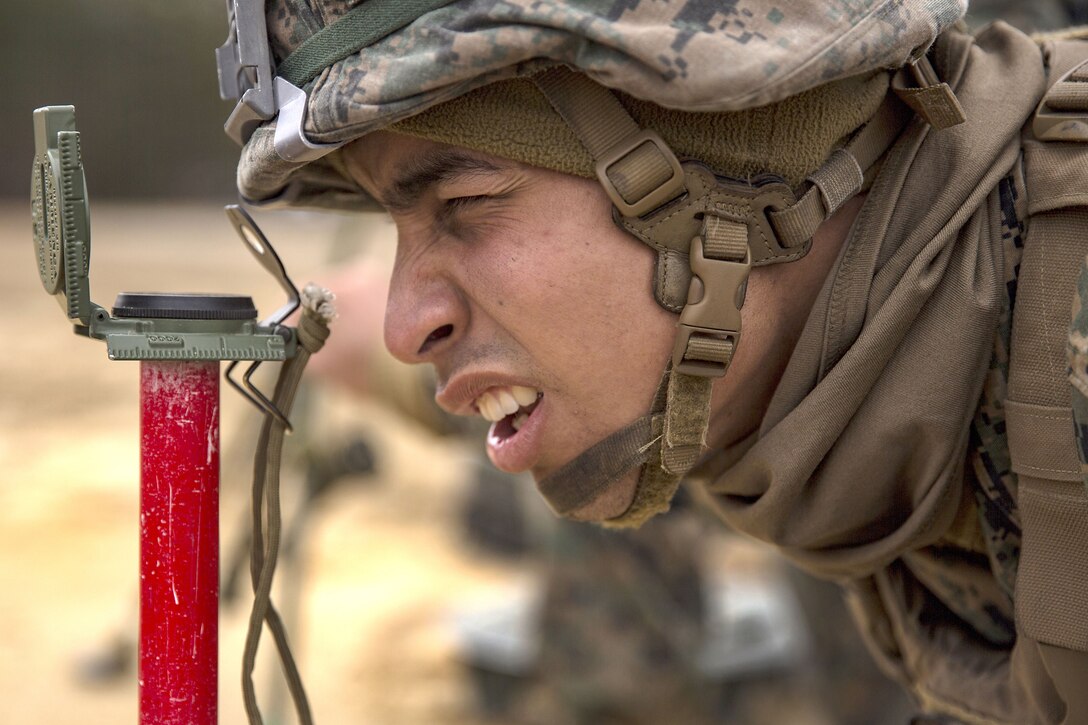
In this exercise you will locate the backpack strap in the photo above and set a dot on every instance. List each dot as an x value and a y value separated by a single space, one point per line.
1039 441
1056 171
1051 599
1063 113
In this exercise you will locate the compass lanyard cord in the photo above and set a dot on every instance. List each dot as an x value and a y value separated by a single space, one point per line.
313 330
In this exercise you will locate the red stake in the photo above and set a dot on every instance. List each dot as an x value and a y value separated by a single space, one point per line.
179 542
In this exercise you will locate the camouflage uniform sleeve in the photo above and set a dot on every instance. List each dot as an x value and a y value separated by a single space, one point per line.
1078 368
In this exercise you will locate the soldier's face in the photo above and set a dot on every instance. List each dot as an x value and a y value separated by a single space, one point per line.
533 307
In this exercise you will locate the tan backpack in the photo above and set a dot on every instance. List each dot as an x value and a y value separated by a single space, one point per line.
1052 580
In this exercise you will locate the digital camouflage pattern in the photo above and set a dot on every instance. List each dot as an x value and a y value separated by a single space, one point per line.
993 481
696 55
1078 368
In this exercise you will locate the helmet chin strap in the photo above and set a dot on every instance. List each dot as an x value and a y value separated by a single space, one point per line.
708 233
664 445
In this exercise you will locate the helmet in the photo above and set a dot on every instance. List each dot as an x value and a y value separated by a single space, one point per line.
657 100
367 65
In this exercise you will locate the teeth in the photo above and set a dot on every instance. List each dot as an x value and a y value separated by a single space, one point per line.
524 395
519 420
497 403
507 402
490 407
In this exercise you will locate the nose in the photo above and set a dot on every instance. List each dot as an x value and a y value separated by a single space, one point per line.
425 314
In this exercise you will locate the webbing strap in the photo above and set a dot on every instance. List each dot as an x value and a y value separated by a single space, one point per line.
585 478
597 119
838 180
687 415
680 414
360 27
636 168
709 349
841 176
724 238
1069 96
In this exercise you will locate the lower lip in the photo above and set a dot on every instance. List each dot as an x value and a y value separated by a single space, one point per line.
519 452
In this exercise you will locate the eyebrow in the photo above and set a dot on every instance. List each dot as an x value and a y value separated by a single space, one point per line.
420 175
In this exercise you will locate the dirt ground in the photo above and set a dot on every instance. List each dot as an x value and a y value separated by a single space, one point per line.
383 566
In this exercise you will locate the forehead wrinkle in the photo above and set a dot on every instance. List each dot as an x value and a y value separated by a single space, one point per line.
422 174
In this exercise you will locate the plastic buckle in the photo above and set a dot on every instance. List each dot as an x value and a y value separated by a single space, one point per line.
1060 125
667 191
715 298
1053 125
244 63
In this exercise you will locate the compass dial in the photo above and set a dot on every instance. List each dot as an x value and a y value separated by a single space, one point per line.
45 210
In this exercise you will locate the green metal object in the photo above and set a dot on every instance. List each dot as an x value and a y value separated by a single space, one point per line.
142 327
62 230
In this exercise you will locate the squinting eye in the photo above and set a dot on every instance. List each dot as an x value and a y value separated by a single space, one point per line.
460 202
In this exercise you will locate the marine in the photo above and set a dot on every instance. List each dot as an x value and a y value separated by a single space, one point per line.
817 258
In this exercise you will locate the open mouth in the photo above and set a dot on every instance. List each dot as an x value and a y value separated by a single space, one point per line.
508 408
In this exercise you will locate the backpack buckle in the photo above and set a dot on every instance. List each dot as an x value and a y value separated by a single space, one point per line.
1063 113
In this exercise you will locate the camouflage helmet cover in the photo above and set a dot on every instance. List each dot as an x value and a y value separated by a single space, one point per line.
692 55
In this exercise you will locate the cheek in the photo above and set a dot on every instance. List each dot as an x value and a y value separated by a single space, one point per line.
575 292
608 334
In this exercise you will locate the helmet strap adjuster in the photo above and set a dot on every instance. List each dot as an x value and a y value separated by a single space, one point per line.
708 232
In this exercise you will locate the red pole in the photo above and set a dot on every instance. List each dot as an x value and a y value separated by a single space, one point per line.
179 542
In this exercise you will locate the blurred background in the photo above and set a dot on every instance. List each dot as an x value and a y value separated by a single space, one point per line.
420 585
